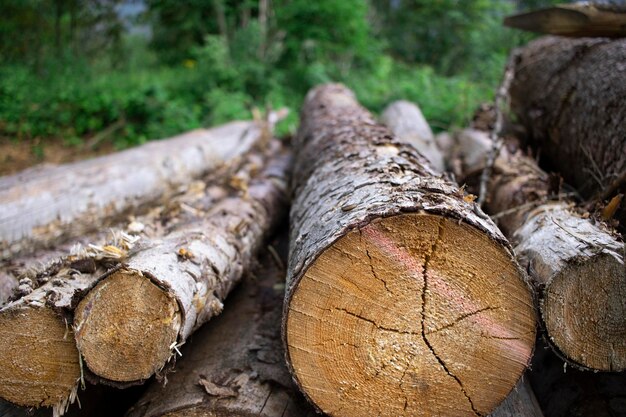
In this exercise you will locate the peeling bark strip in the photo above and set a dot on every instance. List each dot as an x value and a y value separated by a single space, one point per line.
235 366
133 321
42 205
386 258
576 264
521 401
570 95
43 366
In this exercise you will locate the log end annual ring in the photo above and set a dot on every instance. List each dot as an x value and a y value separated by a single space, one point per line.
584 311
413 314
39 361
125 327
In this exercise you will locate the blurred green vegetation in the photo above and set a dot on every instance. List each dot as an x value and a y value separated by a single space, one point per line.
74 69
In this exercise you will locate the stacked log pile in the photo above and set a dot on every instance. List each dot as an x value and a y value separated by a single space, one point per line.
191 255
393 294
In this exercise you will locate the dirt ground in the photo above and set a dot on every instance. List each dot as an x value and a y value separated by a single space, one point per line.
18 155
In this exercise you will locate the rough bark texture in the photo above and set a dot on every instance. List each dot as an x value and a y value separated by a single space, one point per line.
234 365
42 205
404 120
407 122
130 324
576 263
45 373
565 392
569 93
382 289
595 18
16 269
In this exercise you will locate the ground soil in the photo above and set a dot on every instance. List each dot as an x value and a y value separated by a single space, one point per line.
16 155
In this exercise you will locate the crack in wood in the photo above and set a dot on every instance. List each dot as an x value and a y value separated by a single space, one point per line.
371 264
426 341
389 329
463 317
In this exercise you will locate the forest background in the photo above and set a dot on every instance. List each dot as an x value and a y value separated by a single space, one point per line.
120 72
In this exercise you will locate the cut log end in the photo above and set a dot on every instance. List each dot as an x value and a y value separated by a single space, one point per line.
126 327
586 318
37 374
410 315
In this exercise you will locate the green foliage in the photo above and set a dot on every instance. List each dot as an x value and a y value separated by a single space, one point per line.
70 73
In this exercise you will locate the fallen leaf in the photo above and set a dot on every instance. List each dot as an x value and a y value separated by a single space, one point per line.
216 390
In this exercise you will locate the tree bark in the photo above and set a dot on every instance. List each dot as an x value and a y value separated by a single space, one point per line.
234 365
575 263
405 121
42 205
402 298
569 94
409 125
132 322
45 373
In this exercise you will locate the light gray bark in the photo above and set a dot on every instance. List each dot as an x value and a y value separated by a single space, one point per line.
349 169
407 122
42 205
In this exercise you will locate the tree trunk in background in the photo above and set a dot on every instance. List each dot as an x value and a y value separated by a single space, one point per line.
402 298
575 263
50 364
409 125
234 365
41 206
406 122
570 94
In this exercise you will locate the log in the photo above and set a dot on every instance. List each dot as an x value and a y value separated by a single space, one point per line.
43 366
585 18
16 269
568 93
575 263
43 205
565 392
409 125
521 402
133 321
234 365
402 298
